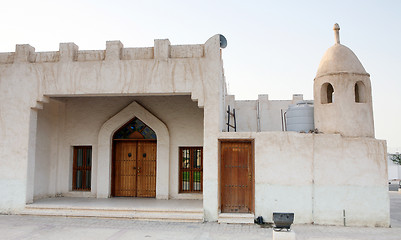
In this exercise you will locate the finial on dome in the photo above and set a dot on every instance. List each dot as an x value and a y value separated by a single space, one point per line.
336 29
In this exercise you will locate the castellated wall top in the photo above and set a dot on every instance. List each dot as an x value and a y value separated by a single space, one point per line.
114 49
161 69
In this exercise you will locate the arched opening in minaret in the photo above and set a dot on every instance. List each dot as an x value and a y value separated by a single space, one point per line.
327 93
360 92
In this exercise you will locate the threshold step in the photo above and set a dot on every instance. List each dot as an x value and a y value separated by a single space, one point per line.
245 218
173 216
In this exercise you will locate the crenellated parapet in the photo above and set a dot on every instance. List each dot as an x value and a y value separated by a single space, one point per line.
115 50
162 69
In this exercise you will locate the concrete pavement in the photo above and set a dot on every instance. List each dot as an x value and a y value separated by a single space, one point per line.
395 209
37 227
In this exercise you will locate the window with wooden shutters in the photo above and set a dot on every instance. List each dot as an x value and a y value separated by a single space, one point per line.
191 169
82 167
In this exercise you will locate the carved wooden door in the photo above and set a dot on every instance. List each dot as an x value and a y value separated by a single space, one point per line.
134 169
236 177
146 170
125 162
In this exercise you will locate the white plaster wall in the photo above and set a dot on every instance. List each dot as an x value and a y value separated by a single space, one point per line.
84 117
246 115
283 175
185 124
270 111
16 136
47 138
262 115
317 176
109 72
350 174
270 114
344 115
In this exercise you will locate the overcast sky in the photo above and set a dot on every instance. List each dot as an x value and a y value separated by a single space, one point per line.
274 47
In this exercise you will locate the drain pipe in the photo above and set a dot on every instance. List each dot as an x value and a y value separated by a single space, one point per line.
258 116
285 121
344 217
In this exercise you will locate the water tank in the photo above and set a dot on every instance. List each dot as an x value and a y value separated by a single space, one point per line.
299 117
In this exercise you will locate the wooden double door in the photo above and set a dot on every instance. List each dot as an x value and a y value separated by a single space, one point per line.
237 178
134 168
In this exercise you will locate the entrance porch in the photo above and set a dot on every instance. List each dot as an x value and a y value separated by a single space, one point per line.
148 209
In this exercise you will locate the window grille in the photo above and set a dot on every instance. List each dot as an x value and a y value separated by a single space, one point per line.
191 169
82 167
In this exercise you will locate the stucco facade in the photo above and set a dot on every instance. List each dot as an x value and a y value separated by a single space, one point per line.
51 102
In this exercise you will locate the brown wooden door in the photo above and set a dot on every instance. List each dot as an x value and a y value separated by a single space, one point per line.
146 171
236 177
134 169
125 169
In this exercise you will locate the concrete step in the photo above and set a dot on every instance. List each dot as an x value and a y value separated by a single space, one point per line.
142 214
247 218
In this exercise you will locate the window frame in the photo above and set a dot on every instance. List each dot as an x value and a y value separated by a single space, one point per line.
84 168
191 170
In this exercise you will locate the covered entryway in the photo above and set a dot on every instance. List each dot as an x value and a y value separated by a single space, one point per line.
237 178
134 161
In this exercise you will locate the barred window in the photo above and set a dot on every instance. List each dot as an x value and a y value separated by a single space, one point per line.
191 169
82 167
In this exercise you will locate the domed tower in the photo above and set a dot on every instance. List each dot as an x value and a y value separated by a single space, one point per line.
342 93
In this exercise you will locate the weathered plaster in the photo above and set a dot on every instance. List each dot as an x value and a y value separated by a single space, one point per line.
259 115
314 176
195 70
74 121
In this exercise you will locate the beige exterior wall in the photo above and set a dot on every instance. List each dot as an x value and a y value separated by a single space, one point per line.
52 101
362 190
194 70
262 115
317 176
49 139
344 115
83 118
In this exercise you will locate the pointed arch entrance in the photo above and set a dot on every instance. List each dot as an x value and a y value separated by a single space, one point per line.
134 160
105 147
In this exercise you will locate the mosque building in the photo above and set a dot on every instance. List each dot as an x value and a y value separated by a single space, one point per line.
151 133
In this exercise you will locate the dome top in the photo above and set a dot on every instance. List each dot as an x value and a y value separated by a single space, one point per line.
339 59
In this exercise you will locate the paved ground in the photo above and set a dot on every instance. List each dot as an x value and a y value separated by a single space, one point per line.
36 227
395 209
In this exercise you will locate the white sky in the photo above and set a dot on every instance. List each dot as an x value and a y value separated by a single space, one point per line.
274 47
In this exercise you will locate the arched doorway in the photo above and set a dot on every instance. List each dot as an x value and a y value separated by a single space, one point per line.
134 160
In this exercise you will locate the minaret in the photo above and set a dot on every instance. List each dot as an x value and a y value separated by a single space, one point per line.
342 93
